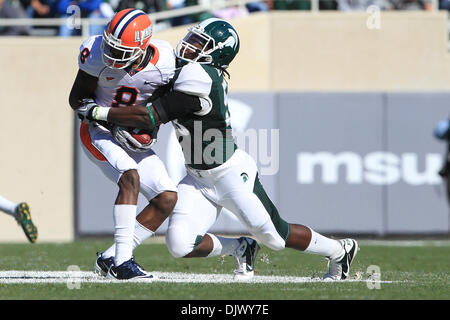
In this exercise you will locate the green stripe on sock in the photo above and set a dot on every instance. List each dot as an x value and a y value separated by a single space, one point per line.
281 226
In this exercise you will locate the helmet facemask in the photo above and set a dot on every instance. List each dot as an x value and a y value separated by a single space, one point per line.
196 46
117 56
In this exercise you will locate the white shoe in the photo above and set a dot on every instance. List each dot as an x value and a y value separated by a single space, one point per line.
340 269
245 256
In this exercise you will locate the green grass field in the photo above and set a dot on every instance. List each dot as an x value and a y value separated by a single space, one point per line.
420 271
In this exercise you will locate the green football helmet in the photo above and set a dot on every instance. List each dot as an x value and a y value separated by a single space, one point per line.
213 41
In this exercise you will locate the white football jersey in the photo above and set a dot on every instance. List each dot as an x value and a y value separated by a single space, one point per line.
117 87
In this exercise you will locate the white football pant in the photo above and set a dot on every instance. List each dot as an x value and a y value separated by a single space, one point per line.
113 160
233 185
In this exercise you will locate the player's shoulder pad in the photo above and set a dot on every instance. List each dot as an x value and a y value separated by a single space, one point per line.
166 60
90 57
193 79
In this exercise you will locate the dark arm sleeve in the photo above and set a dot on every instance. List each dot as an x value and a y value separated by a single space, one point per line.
83 87
176 105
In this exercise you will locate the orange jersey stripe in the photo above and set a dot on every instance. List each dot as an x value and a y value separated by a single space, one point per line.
87 142
155 57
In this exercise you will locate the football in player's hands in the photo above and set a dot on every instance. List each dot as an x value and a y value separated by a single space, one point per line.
133 139
141 135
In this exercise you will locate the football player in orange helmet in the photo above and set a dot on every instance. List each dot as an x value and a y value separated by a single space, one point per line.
126 38
122 69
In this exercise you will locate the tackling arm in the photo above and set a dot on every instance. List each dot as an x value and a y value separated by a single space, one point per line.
136 117
171 106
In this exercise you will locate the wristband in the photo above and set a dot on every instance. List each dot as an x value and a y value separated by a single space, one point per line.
150 114
100 113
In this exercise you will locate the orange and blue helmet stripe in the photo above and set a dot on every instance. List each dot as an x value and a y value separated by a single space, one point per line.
120 23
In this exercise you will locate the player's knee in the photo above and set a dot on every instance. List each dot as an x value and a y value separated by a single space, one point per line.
269 236
129 181
166 201
273 242
178 245
276 244
179 250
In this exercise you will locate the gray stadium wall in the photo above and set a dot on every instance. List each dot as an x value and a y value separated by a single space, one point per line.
344 163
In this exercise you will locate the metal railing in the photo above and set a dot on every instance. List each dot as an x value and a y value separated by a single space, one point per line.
84 23
204 6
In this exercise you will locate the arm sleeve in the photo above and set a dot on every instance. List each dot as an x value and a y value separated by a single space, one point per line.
177 104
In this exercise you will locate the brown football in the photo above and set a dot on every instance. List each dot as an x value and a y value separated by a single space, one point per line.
141 135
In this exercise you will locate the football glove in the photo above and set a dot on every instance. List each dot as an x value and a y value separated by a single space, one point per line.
123 136
85 111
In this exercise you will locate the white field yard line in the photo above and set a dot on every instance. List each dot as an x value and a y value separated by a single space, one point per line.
34 277
405 243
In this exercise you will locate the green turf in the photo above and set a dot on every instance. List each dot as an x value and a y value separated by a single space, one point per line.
417 272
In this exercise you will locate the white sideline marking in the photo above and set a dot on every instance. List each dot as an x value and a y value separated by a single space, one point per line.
34 277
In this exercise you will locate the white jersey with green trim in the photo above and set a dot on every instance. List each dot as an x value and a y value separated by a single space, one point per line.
206 135
123 87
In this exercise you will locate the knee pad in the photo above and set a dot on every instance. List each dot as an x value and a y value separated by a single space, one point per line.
167 201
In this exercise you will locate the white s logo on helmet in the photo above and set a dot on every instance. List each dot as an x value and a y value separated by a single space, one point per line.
232 40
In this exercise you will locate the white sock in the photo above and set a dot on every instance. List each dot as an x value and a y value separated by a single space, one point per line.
324 246
223 246
141 234
8 206
124 224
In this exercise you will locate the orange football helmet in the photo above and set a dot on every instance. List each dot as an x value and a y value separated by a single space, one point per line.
126 38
